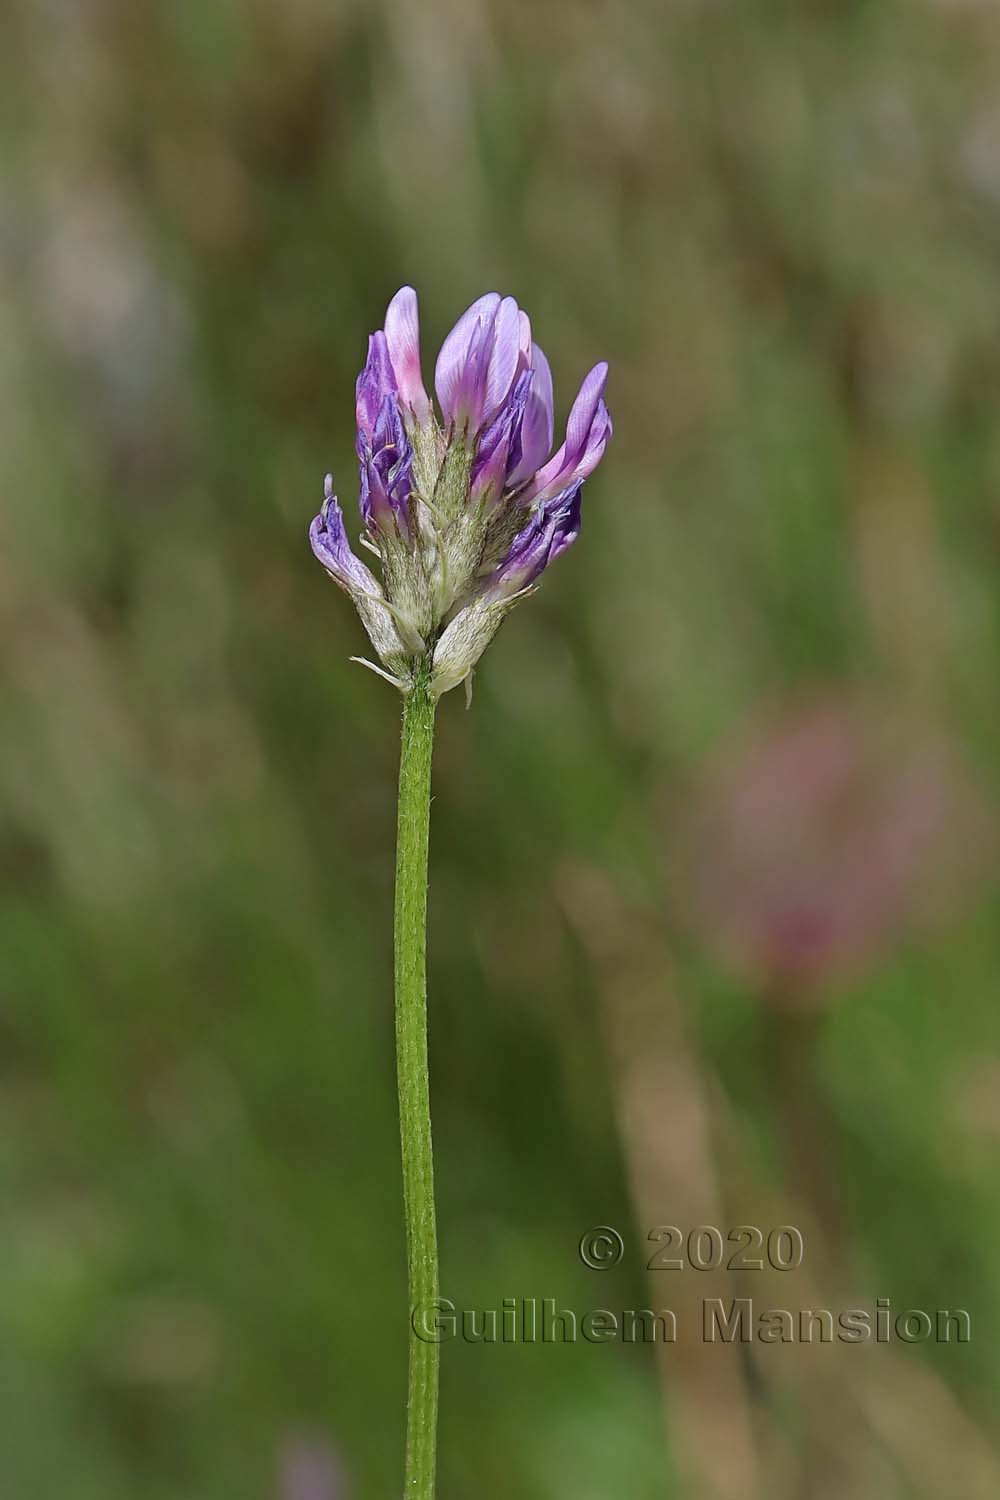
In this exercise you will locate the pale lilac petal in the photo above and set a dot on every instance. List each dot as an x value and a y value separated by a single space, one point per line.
480 360
450 372
524 340
402 334
584 410
537 423
587 434
503 358
596 442
548 475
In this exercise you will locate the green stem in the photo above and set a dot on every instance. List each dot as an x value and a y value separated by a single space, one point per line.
414 1084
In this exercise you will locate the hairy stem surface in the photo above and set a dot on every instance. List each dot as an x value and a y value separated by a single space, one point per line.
414 1084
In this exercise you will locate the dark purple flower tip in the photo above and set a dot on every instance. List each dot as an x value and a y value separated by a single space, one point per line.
537 421
386 461
498 452
554 526
376 381
479 361
519 437
587 433
328 539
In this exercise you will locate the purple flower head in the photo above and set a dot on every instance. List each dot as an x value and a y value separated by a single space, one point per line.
329 542
442 494
554 526
386 460
587 434
479 361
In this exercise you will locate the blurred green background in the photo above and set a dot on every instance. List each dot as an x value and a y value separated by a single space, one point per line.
780 223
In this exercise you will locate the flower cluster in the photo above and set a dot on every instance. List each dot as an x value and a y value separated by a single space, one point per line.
463 513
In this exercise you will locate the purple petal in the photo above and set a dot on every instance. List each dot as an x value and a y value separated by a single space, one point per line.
554 526
499 448
451 374
480 360
329 542
376 381
488 484
587 434
503 356
597 440
584 410
524 340
386 461
537 422
402 334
